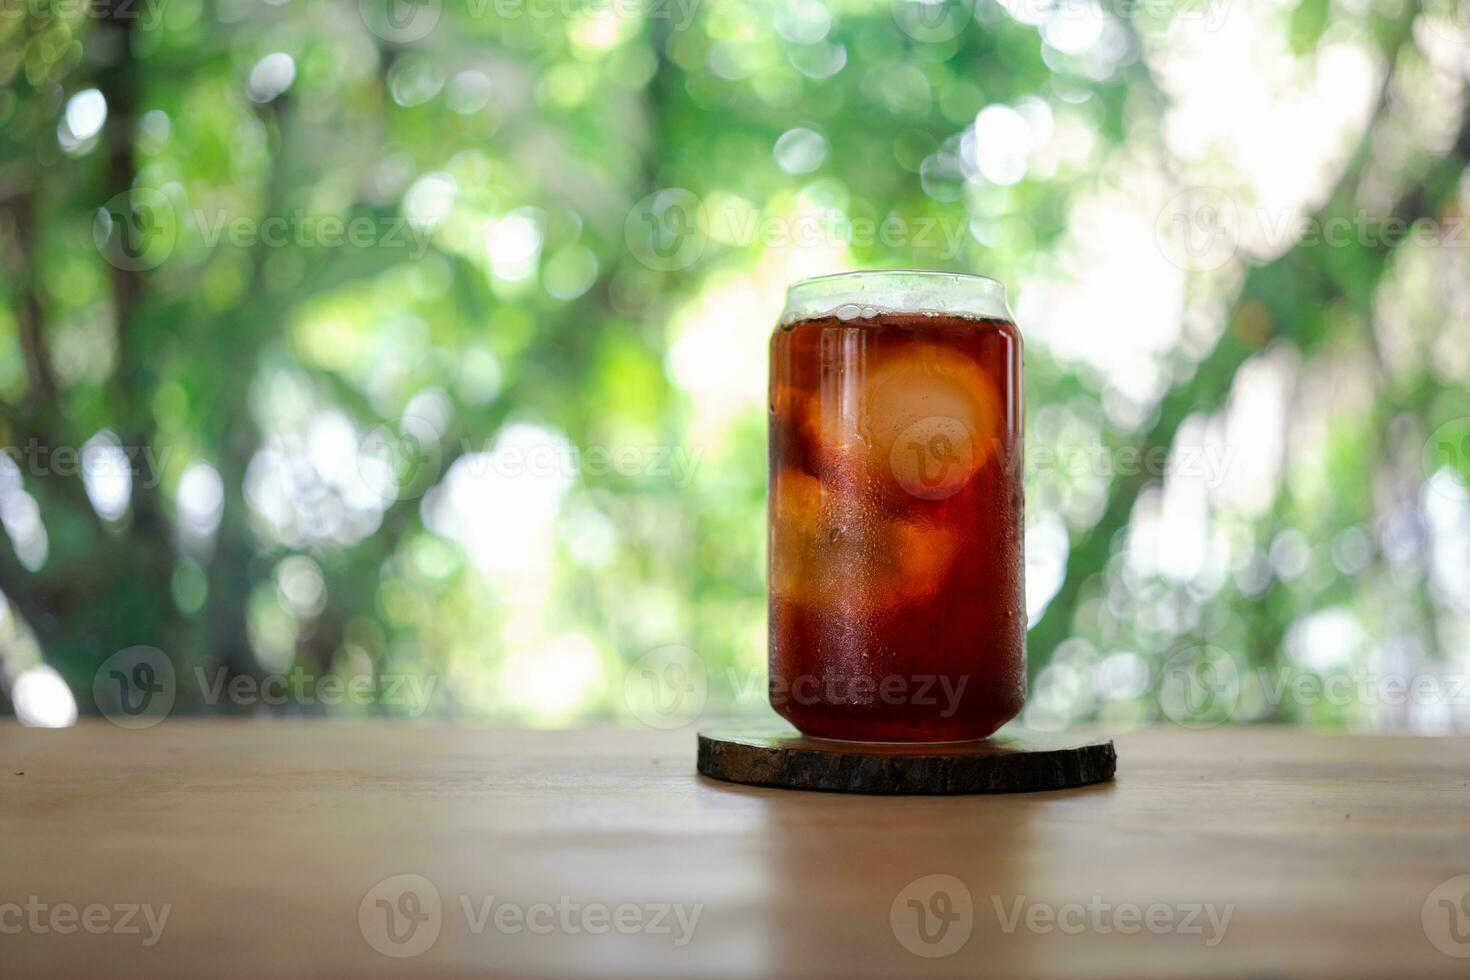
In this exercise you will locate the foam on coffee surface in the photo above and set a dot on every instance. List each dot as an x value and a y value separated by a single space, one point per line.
866 296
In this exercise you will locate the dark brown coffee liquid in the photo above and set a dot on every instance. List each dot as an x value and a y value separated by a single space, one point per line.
897 605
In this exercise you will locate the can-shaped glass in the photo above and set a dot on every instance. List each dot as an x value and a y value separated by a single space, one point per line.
895 564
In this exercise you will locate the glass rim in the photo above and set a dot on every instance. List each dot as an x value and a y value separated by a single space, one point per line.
869 291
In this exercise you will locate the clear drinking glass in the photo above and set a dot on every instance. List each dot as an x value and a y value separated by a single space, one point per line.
897 603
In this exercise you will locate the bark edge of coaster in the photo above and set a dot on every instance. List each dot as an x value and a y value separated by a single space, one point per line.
1010 761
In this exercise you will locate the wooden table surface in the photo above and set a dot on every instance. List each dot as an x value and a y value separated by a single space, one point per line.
277 850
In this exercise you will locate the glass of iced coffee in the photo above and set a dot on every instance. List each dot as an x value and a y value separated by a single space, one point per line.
897 607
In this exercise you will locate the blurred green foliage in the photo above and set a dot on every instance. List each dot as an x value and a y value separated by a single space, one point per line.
321 260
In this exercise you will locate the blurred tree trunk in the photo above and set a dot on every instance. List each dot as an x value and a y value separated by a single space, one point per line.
103 587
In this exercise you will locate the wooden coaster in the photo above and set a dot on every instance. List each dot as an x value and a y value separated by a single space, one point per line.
1010 761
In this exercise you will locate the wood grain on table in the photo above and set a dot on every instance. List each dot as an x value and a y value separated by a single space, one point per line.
551 854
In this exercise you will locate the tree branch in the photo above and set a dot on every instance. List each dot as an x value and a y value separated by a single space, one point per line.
1276 289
